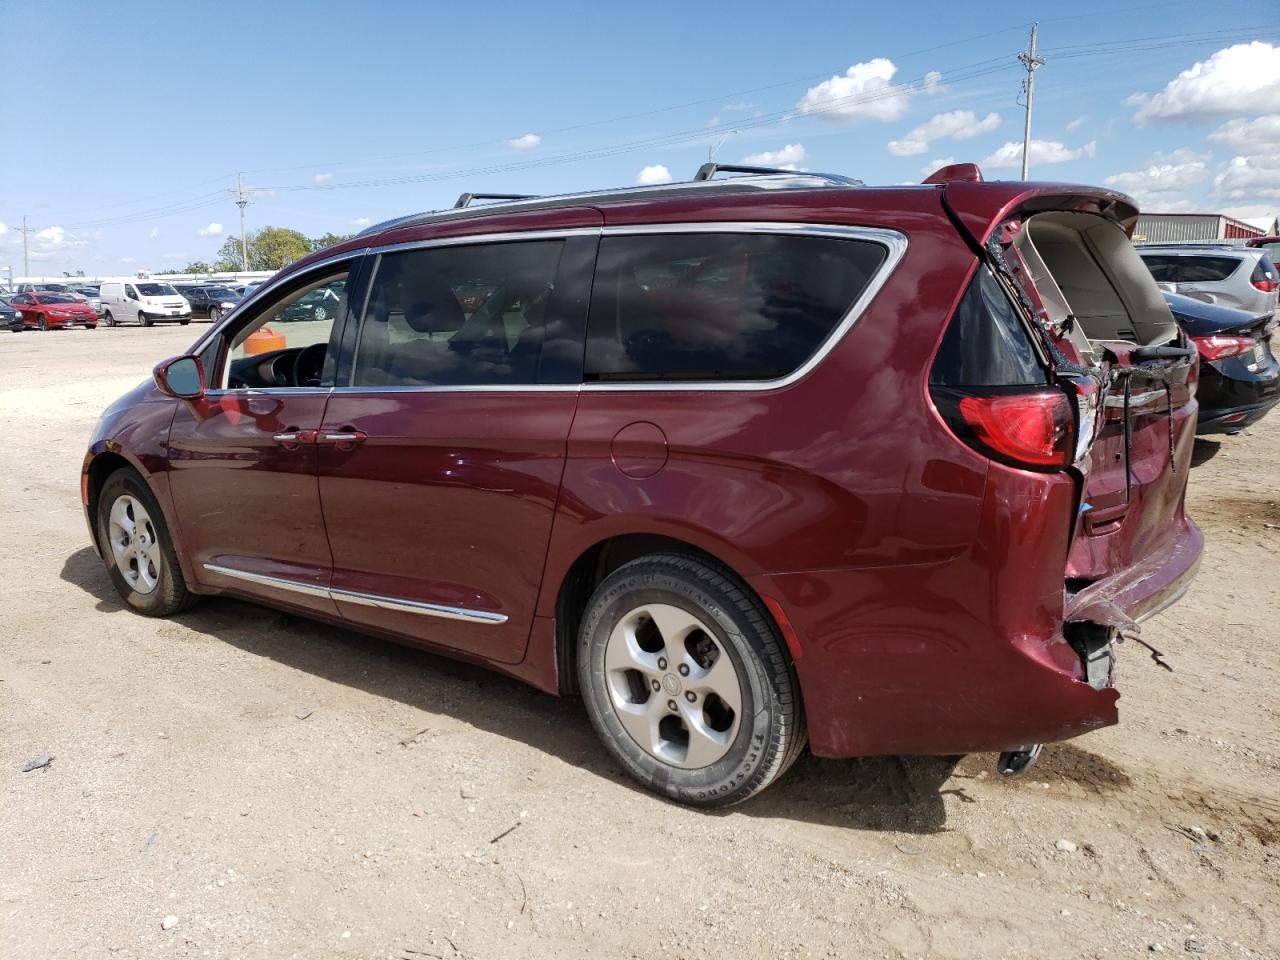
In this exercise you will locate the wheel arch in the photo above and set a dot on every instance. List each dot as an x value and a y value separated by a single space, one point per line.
597 561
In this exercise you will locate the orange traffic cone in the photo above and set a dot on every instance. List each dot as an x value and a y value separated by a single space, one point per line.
263 340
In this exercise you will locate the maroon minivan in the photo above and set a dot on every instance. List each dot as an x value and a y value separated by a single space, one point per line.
746 463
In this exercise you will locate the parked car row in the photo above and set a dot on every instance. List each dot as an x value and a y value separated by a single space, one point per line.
1224 298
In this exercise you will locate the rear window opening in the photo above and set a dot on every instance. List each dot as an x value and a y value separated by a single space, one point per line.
1084 267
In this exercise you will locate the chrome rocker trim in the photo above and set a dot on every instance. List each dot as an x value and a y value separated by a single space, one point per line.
364 599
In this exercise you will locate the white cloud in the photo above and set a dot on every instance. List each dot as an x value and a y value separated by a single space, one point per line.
738 106
1248 178
650 175
957 124
865 91
1250 136
128 260
524 142
1042 151
212 230
153 232
1165 180
1233 79
323 177
1077 123
788 158
53 236
938 164
3 228
361 222
1253 211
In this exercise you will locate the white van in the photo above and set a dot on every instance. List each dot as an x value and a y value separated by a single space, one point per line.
145 301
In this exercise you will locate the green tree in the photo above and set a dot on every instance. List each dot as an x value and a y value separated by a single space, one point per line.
329 240
229 256
273 248
197 266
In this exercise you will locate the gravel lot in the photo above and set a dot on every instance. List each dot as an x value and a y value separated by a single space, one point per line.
279 788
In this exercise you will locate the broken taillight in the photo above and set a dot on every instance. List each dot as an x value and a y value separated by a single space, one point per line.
1024 428
1220 346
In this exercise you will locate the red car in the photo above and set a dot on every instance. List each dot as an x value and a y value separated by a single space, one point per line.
746 463
42 310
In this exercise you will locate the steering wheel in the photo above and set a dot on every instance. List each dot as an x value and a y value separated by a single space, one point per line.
308 365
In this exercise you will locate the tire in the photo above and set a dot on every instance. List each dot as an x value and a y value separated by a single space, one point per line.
214 314
108 319
42 323
91 326
144 320
320 313
142 563
701 747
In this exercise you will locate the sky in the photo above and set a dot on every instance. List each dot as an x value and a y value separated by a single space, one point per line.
126 126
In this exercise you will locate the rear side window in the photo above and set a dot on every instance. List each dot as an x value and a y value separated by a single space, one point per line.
1163 269
1206 269
462 316
986 344
719 306
1263 270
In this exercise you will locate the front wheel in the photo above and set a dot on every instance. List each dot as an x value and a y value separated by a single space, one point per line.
137 547
91 326
687 681
42 322
144 320
214 314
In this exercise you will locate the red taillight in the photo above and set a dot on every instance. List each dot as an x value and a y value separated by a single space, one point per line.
1267 286
1031 428
1025 427
1220 346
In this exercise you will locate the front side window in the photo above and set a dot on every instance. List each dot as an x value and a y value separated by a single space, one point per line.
719 306
474 315
286 343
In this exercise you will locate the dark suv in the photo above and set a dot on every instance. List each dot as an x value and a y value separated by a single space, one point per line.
745 462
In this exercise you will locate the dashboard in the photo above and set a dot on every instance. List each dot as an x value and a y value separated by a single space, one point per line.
292 367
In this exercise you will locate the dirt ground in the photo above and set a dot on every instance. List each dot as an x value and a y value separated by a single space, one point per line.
285 789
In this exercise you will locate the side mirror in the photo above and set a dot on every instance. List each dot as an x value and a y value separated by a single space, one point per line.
180 377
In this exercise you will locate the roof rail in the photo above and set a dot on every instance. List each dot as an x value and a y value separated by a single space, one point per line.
709 170
466 198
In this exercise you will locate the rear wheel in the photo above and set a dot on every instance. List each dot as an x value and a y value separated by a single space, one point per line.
108 319
144 320
687 682
137 547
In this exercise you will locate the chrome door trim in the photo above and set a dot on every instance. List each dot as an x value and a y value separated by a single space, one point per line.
280 583
475 239
364 599
417 606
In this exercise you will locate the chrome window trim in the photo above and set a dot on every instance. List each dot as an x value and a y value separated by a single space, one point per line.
364 599
894 242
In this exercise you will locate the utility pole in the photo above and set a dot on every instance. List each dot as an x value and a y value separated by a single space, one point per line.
1030 61
26 269
242 200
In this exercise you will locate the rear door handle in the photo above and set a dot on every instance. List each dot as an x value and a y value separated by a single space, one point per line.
344 437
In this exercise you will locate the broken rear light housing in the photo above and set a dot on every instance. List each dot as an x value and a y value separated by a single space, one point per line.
1032 429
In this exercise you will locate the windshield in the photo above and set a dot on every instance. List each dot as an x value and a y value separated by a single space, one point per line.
55 287
221 293
57 298
157 290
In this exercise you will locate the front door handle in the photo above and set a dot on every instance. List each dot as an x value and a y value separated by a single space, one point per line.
292 439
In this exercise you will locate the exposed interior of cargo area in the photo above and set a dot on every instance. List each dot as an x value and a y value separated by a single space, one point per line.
1115 346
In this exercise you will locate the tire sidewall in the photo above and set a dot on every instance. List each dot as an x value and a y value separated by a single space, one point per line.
729 778
170 589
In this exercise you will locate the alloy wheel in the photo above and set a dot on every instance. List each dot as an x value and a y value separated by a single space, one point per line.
134 544
674 688
214 314
42 322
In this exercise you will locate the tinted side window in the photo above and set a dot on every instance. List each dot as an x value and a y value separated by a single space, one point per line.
986 344
1206 269
719 306
1163 269
465 315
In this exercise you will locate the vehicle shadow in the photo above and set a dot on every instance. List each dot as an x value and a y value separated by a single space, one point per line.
1204 451
903 794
